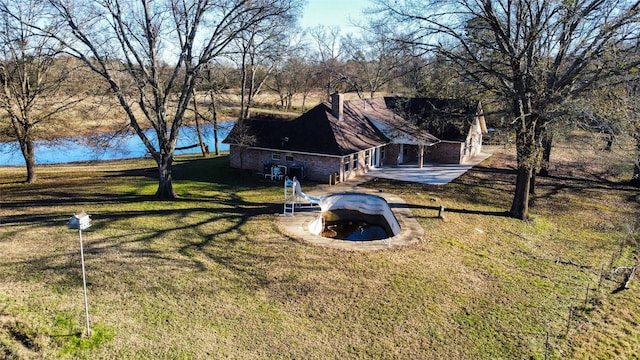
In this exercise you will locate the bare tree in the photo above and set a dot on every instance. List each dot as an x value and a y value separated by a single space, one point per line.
197 116
34 78
307 80
214 81
630 92
612 115
286 81
531 54
432 76
242 137
634 125
327 57
161 46
378 60
292 73
260 48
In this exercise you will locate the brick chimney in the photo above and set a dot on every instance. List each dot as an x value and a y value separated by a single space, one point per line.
337 105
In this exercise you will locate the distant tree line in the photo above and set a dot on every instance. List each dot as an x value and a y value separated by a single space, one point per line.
152 57
544 66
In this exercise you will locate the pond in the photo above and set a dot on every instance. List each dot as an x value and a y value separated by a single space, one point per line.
108 146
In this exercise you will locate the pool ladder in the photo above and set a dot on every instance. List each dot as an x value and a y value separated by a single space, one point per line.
289 197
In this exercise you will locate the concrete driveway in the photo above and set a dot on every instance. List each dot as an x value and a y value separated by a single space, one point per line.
430 173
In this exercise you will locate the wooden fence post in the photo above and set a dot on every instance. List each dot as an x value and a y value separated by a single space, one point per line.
566 334
586 298
546 344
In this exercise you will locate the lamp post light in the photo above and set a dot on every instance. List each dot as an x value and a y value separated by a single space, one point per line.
80 222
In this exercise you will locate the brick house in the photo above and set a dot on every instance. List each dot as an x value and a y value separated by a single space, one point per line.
334 141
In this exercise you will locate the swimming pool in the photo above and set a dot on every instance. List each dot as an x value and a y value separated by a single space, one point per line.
355 217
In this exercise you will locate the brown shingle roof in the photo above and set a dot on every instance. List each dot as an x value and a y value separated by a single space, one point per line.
365 124
394 126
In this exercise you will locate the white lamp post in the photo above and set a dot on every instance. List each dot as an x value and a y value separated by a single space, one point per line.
80 222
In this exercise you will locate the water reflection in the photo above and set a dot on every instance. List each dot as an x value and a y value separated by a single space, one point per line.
108 146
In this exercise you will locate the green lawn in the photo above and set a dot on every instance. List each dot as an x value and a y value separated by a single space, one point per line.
212 275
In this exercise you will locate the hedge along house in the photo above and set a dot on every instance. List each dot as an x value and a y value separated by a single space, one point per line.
338 140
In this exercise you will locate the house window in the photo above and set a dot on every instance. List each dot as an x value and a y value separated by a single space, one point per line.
367 158
355 162
383 153
288 157
346 164
275 156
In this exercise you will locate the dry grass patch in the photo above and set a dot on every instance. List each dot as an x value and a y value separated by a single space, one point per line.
210 275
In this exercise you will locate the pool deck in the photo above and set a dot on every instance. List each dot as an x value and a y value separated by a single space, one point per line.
438 174
411 232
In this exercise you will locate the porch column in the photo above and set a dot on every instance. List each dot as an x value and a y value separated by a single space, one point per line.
420 155
400 155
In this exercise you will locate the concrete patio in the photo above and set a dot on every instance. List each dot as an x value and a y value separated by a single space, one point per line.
429 173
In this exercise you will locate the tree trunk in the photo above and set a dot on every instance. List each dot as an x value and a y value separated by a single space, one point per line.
254 87
214 120
304 101
547 143
532 183
540 151
243 84
251 89
635 180
520 205
30 161
27 148
527 160
289 101
249 94
242 159
165 180
203 146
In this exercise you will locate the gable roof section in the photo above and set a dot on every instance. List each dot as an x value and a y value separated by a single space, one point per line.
394 126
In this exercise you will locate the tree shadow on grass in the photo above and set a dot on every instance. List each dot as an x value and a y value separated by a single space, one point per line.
493 183
220 246
481 193
212 170
222 231
459 211
552 187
